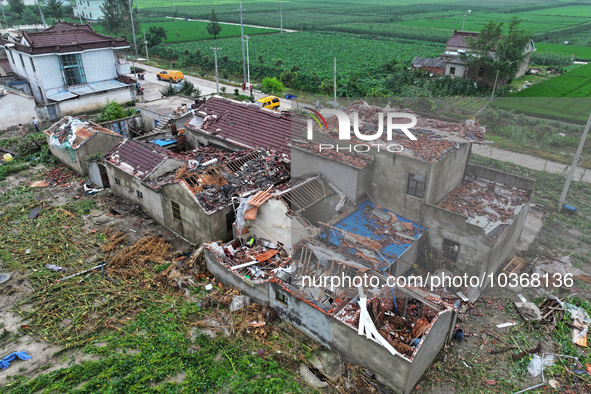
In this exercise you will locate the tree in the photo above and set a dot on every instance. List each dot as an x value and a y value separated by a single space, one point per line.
214 27
30 17
16 6
495 51
156 35
54 8
272 86
116 19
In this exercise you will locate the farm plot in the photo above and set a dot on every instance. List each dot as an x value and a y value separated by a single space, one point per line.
312 53
181 30
559 49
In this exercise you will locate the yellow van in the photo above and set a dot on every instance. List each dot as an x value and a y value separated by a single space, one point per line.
170 75
270 102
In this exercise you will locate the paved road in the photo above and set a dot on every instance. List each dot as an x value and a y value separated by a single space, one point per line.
532 162
236 24
152 87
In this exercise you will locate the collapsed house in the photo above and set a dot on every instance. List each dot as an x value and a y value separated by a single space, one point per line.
192 194
396 332
418 180
73 141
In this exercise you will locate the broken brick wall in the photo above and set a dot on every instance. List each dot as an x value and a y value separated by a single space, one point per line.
501 177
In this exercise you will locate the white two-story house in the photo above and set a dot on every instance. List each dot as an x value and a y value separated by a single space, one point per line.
70 68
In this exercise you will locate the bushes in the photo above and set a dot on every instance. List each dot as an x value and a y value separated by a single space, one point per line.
113 111
550 59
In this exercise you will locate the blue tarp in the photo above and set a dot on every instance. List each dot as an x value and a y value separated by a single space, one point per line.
5 362
163 142
363 224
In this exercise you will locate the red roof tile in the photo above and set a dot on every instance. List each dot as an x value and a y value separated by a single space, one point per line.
65 38
246 124
137 158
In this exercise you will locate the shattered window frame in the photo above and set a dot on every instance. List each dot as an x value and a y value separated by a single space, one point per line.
481 72
450 250
452 71
416 185
279 296
176 211
117 181
140 194
230 218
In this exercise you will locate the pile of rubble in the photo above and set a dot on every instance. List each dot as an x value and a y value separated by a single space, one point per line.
491 200
255 261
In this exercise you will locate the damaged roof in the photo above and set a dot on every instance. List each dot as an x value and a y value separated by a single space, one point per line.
419 62
75 131
244 124
139 159
486 204
373 233
354 159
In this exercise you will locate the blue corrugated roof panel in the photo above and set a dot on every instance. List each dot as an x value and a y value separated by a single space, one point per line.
163 142
364 223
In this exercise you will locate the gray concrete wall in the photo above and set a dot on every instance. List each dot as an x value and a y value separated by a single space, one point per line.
504 245
502 177
350 180
272 223
430 346
360 350
64 157
93 101
308 319
16 108
259 293
167 166
196 139
405 262
475 247
100 143
389 183
127 189
446 174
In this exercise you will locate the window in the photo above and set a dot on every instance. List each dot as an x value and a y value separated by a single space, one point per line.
140 194
22 60
416 185
450 250
32 64
481 72
176 211
279 296
12 57
117 181
72 69
452 71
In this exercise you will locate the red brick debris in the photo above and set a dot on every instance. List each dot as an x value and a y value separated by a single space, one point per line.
495 201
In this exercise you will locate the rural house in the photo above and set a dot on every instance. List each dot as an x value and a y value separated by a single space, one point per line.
452 62
73 141
88 9
70 68
475 213
17 107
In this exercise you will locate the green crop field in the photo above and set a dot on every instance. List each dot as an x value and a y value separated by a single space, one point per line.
579 52
573 10
181 30
567 97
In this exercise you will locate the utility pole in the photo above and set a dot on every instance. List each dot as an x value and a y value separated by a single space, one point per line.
217 81
4 15
464 19
40 14
133 33
146 46
576 159
335 81
492 96
247 60
281 18
242 35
